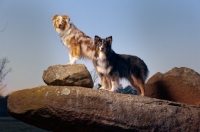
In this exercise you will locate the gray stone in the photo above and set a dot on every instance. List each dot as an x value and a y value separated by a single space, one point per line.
68 75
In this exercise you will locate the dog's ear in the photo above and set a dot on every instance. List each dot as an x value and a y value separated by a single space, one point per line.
54 17
66 17
109 39
96 39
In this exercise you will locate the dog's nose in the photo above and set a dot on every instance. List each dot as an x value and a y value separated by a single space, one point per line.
102 49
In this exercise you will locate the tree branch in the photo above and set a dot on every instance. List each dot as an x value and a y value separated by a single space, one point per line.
4 27
94 76
3 72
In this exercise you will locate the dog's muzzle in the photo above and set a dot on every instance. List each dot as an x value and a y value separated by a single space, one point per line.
60 25
101 49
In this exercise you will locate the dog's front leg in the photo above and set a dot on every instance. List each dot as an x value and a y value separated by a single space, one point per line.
115 86
109 83
104 83
72 60
74 54
114 83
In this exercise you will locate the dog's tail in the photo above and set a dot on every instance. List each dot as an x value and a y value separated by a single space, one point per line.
144 71
140 70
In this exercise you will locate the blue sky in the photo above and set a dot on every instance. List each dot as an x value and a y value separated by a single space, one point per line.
165 34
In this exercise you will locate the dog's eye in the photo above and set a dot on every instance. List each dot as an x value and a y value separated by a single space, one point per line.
98 43
106 45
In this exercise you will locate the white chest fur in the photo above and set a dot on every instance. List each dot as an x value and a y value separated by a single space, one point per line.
103 65
64 37
103 70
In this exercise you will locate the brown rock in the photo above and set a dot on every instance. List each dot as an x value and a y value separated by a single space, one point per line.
178 85
68 75
67 108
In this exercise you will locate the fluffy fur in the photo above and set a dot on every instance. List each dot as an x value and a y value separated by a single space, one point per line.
112 66
79 44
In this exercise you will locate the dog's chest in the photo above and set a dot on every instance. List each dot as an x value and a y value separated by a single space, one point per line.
103 67
66 44
66 40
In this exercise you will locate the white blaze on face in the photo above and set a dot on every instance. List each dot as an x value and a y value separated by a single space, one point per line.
102 55
57 22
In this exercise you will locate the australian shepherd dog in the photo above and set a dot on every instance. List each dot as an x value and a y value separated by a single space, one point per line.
79 44
113 66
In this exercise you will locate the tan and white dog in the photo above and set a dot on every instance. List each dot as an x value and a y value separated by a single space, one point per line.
78 43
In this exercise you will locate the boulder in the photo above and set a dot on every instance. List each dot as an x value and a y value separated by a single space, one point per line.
68 75
77 109
178 85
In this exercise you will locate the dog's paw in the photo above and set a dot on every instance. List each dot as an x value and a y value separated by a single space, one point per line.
102 88
112 90
71 63
142 94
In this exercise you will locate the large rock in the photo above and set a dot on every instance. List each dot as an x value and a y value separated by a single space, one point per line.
68 75
179 85
76 109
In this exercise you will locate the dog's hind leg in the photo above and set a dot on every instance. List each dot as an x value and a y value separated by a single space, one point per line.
138 84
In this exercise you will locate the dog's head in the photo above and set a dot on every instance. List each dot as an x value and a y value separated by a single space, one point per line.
102 46
61 23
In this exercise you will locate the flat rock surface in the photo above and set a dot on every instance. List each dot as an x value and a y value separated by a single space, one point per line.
68 108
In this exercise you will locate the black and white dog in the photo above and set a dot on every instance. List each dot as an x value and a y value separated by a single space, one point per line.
112 66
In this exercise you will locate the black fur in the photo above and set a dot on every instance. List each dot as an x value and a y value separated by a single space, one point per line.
128 65
124 65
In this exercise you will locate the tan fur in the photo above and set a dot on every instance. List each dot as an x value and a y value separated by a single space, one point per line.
79 44
74 47
104 83
138 84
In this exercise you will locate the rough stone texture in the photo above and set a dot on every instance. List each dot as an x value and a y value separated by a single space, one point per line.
67 108
178 85
68 75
